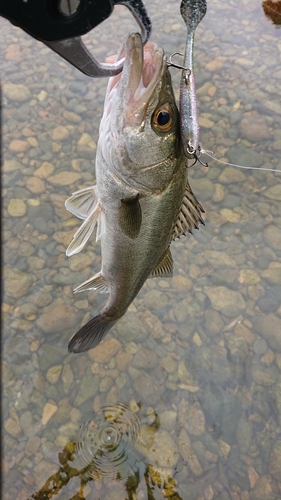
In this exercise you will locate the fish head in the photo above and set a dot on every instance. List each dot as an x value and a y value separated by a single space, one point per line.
140 125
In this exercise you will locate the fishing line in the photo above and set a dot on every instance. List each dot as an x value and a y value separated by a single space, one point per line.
207 152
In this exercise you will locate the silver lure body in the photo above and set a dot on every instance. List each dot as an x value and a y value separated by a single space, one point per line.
192 12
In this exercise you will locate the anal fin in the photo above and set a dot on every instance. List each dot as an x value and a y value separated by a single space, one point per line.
97 282
165 268
190 214
130 216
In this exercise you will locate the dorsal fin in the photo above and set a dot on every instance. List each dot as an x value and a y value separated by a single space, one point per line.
96 282
82 202
190 214
130 217
165 268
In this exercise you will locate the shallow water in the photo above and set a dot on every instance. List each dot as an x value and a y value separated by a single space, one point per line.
183 398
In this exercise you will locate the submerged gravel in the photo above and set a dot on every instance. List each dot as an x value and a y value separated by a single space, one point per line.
200 354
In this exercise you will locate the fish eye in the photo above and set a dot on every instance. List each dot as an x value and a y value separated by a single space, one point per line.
163 118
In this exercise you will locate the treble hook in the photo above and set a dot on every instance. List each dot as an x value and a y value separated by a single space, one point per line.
196 155
179 66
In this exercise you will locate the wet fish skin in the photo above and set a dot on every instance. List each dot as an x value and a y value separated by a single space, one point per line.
142 199
192 12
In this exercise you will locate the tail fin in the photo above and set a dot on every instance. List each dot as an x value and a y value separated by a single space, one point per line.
90 335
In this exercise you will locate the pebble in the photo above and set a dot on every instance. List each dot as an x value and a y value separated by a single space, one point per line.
230 175
272 236
88 388
218 259
148 388
219 193
79 262
60 133
275 461
227 301
17 208
71 117
263 489
64 178
45 170
32 445
35 185
244 434
59 319
123 360
168 419
145 359
11 165
195 421
188 454
272 275
245 63
16 92
245 156
12 425
19 146
230 215
273 192
249 276
260 347
67 378
26 423
269 327
181 283
205 122
215 64
105 351
213 322
84 139
17 283
238 350
53 374
254 128
161 450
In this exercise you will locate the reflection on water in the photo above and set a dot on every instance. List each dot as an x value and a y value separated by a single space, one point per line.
196 360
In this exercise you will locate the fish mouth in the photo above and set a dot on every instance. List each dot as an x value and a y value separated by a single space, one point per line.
143 69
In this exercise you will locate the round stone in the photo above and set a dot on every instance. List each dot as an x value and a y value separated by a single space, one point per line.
260 347
16 208
16 92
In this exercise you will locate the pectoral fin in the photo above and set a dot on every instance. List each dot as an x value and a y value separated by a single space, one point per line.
84 232
189 216
97 282
82 202
130 216
165 268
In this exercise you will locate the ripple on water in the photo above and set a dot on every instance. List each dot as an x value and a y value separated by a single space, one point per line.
107 442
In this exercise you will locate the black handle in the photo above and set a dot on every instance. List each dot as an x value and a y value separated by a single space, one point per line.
51 20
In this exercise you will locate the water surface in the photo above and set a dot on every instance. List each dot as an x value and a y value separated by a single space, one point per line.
183 397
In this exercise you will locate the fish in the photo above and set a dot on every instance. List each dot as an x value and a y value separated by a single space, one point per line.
142 199
192 12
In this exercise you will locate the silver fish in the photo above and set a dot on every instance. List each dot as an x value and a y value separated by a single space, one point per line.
142 199
192 12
